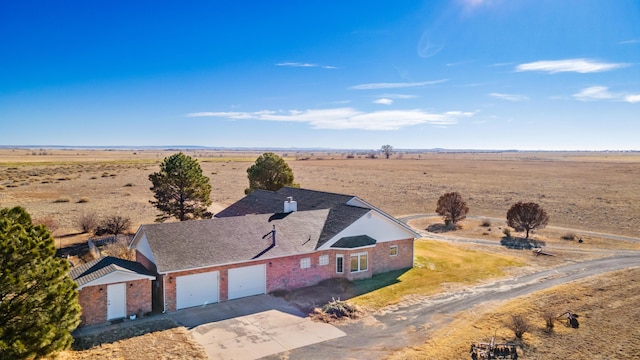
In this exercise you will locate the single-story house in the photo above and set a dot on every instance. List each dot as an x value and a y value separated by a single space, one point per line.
111 288
267 241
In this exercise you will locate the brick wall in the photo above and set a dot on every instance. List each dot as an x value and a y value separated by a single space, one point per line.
94 305
94 302
285 273
138 297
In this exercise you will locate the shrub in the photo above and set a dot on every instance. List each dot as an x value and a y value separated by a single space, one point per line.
48 221
337 309
62 199
568 236
128 185
519 325
485 223
83 200
113 225
88 222
507 233
120 249
549 320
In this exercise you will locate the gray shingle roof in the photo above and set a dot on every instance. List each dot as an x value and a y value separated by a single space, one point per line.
201 243
340 215
351 242
98 268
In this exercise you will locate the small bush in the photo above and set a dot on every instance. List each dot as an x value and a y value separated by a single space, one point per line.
485 223
113 225
48 221
569 236
507 233
88 222
93 178
128 185
119 249
549 320
83 200
62 199
519 325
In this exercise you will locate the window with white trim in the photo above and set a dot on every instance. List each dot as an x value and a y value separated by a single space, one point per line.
305 263
393 250
323 260
340 264
359 262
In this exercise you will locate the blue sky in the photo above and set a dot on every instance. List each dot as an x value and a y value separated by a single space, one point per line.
457 74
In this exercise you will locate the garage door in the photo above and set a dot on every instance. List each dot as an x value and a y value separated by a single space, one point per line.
196 290
247 281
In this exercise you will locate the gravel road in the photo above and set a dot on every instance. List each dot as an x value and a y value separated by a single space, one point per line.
410 323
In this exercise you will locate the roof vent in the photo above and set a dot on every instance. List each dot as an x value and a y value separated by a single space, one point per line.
290 205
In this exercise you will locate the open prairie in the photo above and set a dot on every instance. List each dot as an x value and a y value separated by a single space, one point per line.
581 190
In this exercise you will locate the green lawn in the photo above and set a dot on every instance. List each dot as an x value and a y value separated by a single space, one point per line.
435 263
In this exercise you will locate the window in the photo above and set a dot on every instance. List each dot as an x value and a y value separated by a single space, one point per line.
339 264
305 263
323 260
359 262
393 250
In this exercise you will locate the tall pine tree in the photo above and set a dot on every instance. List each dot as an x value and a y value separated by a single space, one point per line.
180 189
38 300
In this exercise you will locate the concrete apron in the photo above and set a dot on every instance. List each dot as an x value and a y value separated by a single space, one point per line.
270 327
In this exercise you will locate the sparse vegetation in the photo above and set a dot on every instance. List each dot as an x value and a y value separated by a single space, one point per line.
485 223
549 320
568 236
62 199
84 199
335 310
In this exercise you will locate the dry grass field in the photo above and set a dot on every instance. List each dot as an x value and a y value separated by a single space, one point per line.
608 317
590 191
580 191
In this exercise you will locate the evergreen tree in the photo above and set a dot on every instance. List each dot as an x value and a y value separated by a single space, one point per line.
180 189
270 172
38 300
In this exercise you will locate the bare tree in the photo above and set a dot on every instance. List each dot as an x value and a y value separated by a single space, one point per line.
526 217
519 325
387 150
452 207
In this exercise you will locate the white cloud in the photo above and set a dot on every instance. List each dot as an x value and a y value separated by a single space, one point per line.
634 41
375 86
632 98
569 65
594 93
297 64
346 118
509 97
383 101
399 96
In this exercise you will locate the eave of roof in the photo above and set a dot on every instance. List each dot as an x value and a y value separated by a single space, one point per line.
99 268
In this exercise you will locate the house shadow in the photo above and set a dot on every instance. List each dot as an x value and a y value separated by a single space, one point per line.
521 243
310 297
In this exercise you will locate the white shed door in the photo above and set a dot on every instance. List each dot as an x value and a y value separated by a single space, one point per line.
116 301
196 290
247 281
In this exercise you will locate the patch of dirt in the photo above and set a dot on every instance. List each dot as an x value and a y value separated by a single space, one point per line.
159 339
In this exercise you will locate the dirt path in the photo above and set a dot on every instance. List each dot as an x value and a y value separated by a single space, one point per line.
410 322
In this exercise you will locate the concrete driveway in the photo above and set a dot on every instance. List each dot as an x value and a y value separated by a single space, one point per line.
252 327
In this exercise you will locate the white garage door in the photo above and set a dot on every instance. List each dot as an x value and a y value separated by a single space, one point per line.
247 281
196 290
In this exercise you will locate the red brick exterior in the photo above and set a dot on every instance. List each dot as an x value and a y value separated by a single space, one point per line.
94 302
285 273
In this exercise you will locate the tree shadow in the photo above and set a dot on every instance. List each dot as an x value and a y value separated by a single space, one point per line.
441 228
521 243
